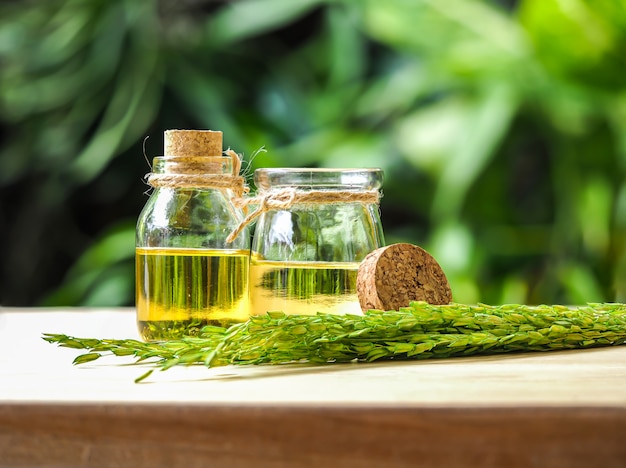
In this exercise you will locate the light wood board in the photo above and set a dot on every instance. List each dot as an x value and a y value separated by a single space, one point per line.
540 409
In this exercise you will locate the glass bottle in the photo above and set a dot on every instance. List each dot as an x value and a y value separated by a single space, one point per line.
305 257
187 275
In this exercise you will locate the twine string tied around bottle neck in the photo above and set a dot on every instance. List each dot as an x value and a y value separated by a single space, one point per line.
284 198
193 174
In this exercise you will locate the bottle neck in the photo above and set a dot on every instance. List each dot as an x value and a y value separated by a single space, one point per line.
192 165
197 172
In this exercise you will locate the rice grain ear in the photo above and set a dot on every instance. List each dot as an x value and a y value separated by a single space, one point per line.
394 276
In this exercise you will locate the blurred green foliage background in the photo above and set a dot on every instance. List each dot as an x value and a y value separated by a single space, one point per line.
501 127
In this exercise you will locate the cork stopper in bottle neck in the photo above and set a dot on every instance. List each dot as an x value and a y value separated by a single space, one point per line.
180 143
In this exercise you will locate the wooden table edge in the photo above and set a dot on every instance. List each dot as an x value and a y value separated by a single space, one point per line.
101 434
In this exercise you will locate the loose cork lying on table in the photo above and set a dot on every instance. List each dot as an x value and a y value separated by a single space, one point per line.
391 277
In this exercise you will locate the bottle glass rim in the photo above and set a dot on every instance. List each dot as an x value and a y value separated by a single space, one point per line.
319 178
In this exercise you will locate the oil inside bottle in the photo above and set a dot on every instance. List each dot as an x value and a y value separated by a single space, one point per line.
181 290
303 287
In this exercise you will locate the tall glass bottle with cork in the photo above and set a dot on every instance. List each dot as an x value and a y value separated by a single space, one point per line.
187 275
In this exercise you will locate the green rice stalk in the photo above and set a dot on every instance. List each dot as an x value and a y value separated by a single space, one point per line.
420 331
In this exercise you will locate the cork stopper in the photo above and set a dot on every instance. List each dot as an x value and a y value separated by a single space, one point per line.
393 276
192 143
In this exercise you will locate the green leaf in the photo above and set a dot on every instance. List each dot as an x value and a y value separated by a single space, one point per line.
244 19
144 376
486 125
83 358
583 40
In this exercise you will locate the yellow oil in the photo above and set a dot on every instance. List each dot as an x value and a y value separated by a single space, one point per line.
303 287
178 291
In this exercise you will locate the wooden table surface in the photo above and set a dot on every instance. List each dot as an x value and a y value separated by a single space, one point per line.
537 409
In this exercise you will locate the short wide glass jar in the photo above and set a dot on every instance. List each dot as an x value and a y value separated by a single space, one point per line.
315 227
